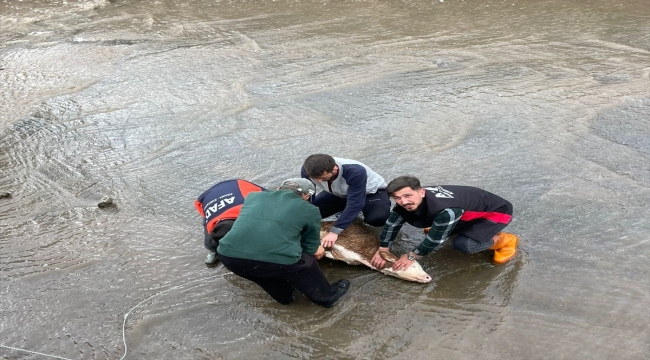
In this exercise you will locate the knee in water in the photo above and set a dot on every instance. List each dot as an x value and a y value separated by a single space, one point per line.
464 244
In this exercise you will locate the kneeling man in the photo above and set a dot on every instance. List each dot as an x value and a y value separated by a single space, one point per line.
219 207
476 216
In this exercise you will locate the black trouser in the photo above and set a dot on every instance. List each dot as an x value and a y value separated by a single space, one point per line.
279 280
483 231
375 211
208 242
469 245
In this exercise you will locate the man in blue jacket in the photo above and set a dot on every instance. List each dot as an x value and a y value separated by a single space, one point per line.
349 187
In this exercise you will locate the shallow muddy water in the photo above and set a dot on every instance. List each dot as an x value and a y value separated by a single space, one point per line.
546 103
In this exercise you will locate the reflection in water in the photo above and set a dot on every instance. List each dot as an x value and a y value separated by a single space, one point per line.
543 102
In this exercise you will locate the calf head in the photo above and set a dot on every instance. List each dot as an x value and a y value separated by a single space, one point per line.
412 273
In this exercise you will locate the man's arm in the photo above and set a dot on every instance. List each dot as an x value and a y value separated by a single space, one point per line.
356 178
443 223
310 236
391 229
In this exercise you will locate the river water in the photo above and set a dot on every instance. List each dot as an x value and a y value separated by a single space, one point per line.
546 103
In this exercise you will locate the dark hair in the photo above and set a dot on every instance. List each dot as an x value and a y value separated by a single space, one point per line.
401 182
318 164
221 229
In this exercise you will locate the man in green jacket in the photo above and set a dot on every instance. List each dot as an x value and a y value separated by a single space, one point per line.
275 243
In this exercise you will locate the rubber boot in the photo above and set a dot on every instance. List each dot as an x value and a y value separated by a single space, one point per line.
212 259
505 247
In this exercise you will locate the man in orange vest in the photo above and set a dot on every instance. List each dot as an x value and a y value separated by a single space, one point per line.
220 206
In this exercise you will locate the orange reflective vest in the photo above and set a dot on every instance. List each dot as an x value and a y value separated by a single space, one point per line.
223 201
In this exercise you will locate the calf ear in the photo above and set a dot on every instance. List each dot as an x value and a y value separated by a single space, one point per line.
388 256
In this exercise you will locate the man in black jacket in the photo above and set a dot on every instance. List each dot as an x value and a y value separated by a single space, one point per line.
476 216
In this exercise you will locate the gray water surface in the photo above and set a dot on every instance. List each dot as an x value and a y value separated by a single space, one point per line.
546 103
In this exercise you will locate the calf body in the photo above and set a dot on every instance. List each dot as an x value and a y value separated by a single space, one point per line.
356 245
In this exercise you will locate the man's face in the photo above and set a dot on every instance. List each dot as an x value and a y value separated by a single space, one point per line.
327 176
408 198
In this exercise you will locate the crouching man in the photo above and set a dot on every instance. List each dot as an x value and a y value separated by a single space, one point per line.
475 215
275 243
347 186
219 207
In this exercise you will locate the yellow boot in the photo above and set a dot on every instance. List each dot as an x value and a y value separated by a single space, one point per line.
505 247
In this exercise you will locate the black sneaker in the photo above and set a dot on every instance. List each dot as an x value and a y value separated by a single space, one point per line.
340 287
212 259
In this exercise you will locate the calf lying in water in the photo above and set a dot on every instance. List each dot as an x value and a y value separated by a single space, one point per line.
356 245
